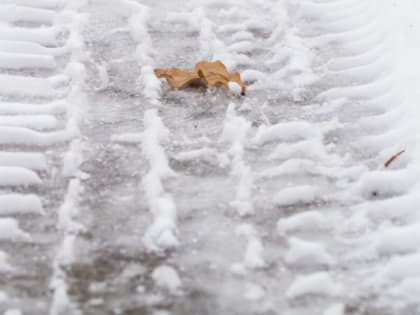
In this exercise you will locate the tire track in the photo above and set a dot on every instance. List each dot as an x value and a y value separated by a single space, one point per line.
37 120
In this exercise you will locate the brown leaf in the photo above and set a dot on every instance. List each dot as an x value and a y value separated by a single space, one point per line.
393 158
207 73
178 78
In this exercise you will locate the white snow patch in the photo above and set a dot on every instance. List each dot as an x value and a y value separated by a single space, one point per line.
287 131
305 253
26 61
13 176
296 195
398 240
10 230
128 138
335 309
305 221
235 131
235 88
5 266
3 297
161 235
20 204
254 253
254 292
167 278
8 108
33 161
72 159
37 122
319 283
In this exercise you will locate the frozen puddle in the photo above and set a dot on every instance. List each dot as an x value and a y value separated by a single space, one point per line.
121 196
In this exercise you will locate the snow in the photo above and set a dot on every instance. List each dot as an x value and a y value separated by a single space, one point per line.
28 137
128 138
161 235
288 131
16 13
45 36
13 312
139 17
36 122
167 278
33 161
290 167
26 61
235 88
254 253
58 107
305 221
5 266
18 176
68 212
251 75
21 85
334 94
69 209
3 297
306 149
401 267
296 195
72 159
28 48
235 131
10 230
204 153
398 240
306 253
335 309
387 182
20 204
319 283
254 292
45 4
385 209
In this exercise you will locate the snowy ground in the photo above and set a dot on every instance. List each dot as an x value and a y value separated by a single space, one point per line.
121 196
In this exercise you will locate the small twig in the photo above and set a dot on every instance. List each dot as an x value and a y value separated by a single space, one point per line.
393 158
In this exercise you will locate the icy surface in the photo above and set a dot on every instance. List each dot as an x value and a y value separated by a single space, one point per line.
119 195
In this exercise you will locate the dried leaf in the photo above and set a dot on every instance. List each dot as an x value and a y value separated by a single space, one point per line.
393 158
205 73
178 78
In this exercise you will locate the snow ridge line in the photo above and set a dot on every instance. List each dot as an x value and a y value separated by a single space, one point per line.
67 214
292 59
235 132
138 20
211 47
161 235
